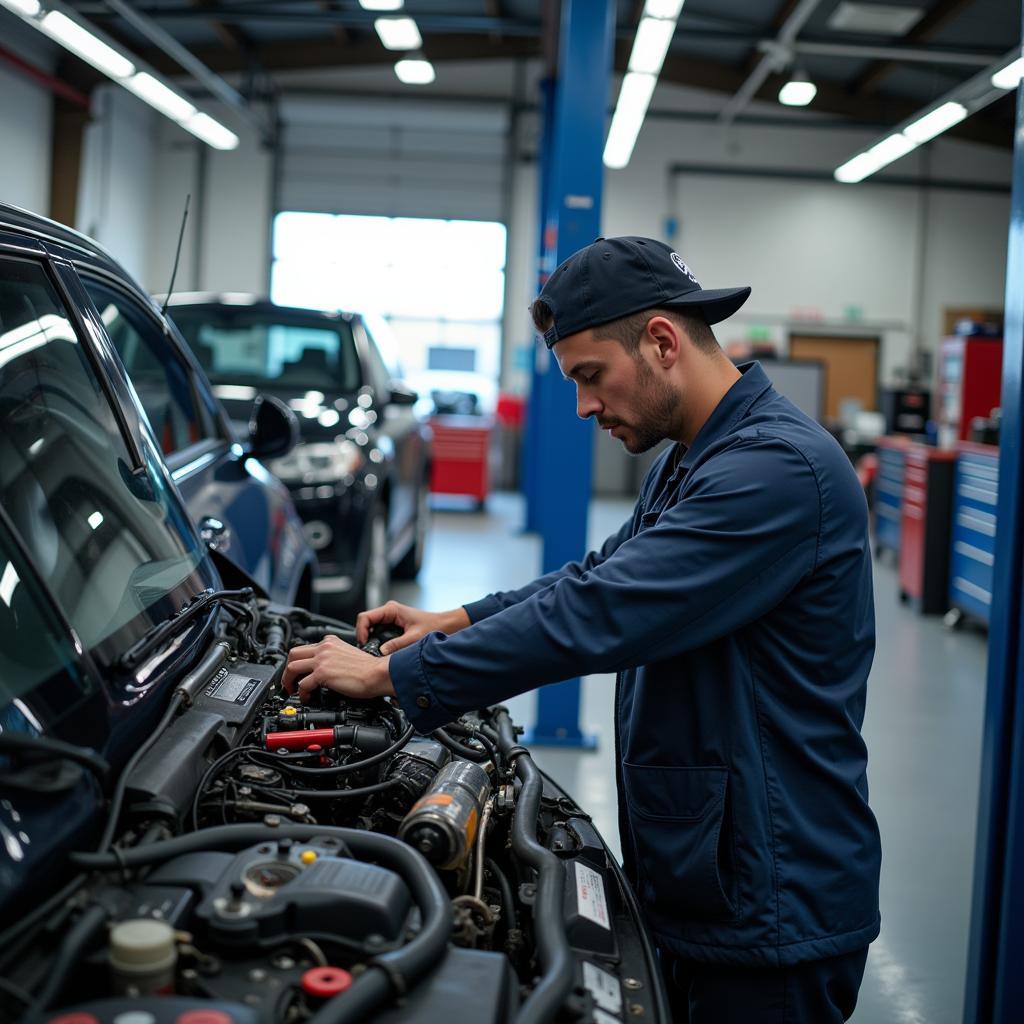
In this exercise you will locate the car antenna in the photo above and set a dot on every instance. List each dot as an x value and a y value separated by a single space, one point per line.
177 255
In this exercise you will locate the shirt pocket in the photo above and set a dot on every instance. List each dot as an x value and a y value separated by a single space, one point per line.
683 840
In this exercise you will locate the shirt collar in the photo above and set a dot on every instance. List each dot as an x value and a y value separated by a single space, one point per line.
730 410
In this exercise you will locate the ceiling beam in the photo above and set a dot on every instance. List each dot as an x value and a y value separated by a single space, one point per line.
230 35
941 14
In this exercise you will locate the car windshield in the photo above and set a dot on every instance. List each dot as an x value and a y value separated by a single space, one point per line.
262 350
109 536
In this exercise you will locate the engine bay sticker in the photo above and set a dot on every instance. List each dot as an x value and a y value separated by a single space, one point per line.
232 689
604 987
600 1017
590 896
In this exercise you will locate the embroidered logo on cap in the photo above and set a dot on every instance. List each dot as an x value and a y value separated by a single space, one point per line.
683 268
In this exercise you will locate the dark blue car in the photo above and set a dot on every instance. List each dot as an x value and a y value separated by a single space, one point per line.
242 510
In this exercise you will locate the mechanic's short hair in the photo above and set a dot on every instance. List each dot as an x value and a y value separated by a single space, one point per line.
627 330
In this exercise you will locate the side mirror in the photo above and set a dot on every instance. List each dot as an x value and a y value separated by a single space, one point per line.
402 395
273 428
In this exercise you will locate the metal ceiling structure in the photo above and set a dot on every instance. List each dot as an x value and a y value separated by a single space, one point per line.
736 50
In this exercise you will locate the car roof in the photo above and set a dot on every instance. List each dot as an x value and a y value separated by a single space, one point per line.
256 303
15 219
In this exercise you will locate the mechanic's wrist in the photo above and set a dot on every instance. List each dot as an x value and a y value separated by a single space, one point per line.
381 682
454 620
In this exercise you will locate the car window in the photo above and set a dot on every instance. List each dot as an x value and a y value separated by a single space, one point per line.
110 537
41 678
380 374
245 347
162 381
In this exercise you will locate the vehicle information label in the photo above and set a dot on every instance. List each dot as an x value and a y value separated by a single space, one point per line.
604 987
590 896
232 689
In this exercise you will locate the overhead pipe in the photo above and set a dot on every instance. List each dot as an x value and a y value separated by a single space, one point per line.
56 85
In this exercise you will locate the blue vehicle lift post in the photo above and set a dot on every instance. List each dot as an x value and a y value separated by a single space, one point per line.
560 445
995 980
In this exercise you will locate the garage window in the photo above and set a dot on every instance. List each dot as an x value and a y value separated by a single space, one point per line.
439 283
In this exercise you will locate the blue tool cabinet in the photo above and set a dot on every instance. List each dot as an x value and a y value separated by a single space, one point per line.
891 454
972 554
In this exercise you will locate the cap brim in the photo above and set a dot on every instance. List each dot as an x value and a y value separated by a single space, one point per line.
717 304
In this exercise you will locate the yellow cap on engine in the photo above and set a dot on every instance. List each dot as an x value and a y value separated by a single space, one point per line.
289 711
308 856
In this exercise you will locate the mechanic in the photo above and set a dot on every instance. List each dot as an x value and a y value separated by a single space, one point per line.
736 607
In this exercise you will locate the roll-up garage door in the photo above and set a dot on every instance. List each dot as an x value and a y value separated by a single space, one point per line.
381 157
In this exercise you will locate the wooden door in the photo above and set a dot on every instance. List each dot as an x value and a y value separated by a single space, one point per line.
851 367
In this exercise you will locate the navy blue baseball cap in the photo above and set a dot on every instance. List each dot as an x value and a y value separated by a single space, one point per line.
615 277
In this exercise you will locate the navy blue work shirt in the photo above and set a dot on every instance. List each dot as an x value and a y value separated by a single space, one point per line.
736 607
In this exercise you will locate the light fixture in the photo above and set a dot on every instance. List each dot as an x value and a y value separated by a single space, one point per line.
857 169
415 71
95 50
798 91
160 96
663 9
653 38
398 33
890 149
1010 76
89 47
29 8
381 5
634 98
212 132
935 122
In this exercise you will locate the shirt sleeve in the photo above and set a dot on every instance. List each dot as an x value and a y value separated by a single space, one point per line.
744 534
493 603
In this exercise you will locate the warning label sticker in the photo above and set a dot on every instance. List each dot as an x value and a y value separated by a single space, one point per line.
232 689
590 895
604 987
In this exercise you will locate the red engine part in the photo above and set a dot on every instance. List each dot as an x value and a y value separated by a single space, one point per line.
300 739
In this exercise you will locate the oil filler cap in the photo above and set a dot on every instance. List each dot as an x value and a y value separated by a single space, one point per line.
325 982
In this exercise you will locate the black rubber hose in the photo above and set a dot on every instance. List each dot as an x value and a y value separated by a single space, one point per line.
390 974
507 899
464 730
301 795
71 952
550 993
469 753
122 783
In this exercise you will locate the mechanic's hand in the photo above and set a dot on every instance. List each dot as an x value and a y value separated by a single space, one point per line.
338 666
414 623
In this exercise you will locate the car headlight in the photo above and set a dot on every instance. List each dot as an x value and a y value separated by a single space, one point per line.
318 463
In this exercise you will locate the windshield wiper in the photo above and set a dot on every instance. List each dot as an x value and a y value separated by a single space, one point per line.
163 631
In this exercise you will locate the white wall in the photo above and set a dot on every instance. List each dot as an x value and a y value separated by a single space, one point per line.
26 120
811 250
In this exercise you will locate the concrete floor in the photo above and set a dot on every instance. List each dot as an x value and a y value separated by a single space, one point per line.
923 728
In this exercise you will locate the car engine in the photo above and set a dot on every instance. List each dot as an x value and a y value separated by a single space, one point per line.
267 860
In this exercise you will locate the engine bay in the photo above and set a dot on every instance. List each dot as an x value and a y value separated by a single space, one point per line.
267 860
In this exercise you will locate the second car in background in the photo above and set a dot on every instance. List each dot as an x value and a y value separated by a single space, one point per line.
360 474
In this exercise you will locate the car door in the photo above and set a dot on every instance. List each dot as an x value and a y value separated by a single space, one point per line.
401 426
232 499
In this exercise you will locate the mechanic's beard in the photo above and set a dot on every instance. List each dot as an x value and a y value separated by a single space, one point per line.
658 404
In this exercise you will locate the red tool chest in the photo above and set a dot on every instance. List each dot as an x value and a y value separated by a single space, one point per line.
924 526
970 383
461 448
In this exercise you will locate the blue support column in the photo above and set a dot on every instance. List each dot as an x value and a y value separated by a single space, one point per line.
534 427
563 444
995 980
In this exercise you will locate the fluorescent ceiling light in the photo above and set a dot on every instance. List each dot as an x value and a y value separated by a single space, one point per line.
381 5
213 133
653 37
30 8
398 33
160 96
1010 76
663 9
634 97
797 92
857 169
935 122
892 148
415 72
89 47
